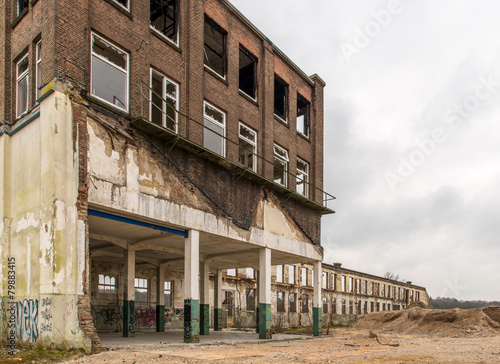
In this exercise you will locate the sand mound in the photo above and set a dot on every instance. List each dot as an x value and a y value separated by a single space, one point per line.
479 322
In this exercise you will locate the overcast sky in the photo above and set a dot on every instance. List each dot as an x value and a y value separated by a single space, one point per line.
412 111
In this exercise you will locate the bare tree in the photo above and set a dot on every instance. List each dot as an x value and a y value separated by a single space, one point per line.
393 276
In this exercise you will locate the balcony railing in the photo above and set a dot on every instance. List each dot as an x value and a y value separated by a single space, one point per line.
172 135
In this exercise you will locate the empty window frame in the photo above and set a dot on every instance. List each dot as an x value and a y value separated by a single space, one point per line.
359 307
351 308
141 292
250 273
250 298
215 47
365 287
248 73
280 301
38 69
168 292
123 3
291 274
22 86
305 303
325 281
372 306
334 306
109 73
342 284
343 307
215 129
280 165
21 5
303 126
107 284
351 288
280 98
358 286
383 290
164 18
248 148
279 274
231 272
333 281
365 308
325 305
164 104
292 302
303 276
302 185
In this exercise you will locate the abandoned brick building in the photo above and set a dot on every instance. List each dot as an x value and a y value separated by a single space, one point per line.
144 136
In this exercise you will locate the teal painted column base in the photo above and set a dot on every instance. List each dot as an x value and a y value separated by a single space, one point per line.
264 321
217 319
128 319
204 319
191 321
317 321
160 318
257 320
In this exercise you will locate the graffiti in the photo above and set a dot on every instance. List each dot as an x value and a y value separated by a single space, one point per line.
187 323
27 320
69 307
145 317
131 321
47 301
179 313
107 318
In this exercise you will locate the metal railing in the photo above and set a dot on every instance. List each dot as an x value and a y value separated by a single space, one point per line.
146 97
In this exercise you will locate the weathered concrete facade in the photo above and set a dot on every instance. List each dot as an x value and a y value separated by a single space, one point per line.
141 150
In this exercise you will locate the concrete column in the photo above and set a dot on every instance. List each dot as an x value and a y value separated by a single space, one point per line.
160 299
265 293
192 287
205 298
129 301
218 301
257 306
317 282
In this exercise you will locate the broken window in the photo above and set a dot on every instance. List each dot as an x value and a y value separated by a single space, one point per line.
107 284
303 276
280 165
303 126
280 301
279 274
215 129
291 274
280 98
250 293
343 307
164 101
164 18
168 292
305 303
325 280
21 5
215 47
109 73
22 86
38 68
302 186
292 302
141 292
248 148
248 73
334 306
122 3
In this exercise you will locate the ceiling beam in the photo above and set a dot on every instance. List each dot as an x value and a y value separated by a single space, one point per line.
122 243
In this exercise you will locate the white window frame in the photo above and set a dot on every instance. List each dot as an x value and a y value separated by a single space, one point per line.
304 279
38 70
170 290
291 274
254 144
212 120
127 71
107 284
164 96
282 158
121 5
305 180
18 7
19 78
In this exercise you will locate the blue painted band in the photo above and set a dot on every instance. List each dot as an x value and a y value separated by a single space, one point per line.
138 223
26 122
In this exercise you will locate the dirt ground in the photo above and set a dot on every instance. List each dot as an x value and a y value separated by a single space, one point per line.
341 346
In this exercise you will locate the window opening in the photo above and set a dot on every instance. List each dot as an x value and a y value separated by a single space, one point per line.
280 165
280 98
38 68
164 101
21 5
292 302
302 186
343 307
22 86
303 126
122 3
231 272
164 18
291 274
334 306
250 295
168 291
215 47
250 273
248 148
248 73
279 273
325 280
305 303
280 301
325 305
107 284
141 292
303 276
109 73
215 131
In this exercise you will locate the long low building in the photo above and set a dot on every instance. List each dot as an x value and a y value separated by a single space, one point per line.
346 294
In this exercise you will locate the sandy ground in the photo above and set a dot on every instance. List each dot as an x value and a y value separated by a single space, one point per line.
341 346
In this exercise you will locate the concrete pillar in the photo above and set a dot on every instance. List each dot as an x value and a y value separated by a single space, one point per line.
317 282
192 287
257 306
218 301
265 293
129 299
205 298
160 299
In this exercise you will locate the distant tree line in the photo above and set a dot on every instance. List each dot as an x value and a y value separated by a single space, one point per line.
448 303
